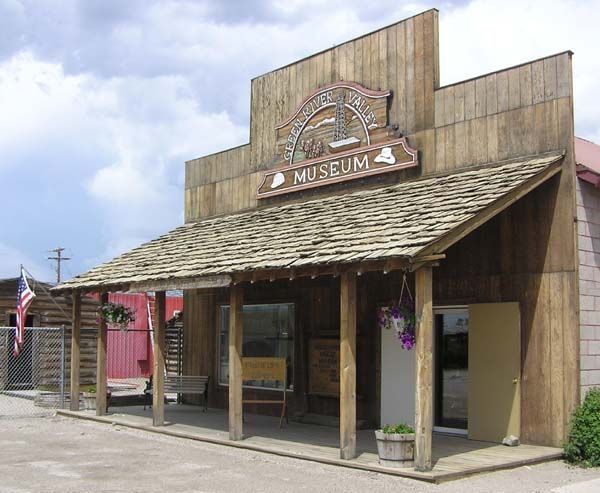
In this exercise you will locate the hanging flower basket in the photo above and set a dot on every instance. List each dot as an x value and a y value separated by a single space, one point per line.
400 317
116 315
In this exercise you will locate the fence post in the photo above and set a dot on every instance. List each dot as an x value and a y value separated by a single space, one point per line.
62 367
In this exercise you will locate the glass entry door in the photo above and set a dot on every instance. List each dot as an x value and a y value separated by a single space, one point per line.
451 369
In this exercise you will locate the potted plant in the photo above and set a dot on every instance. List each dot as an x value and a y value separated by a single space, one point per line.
88 398
396 445
400 317
116 315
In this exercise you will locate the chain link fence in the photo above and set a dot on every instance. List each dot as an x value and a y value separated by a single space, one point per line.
36 382
32 383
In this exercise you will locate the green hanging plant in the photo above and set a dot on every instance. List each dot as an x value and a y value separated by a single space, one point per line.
116 314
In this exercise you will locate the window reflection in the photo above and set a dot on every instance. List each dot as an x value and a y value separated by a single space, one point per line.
268 332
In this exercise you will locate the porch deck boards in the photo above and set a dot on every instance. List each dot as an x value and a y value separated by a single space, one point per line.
453 457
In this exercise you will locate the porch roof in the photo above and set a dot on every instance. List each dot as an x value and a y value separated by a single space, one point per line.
405 221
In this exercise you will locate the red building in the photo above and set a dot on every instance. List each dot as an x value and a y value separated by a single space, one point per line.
129 353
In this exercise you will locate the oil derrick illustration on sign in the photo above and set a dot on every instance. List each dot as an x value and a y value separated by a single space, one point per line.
338 133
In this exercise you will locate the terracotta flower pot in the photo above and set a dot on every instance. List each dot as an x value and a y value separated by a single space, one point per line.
395 449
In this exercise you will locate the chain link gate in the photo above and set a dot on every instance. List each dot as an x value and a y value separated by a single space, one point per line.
32 383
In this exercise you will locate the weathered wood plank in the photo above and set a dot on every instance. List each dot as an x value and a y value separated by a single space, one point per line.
460 144
236 305
537 82
349 59
469 100
399 99
101 363
382 60
550 86
450 146
479 140
440 149
563 75
480 98
502 91
491 97
525 85
570 326
348 365
556 359
492 137
449 105
424 369
439 115
431 69
419 61
410 75
514 94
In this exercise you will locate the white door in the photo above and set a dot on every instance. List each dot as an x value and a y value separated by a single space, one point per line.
397 381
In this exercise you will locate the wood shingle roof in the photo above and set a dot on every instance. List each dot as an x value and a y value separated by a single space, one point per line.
403 220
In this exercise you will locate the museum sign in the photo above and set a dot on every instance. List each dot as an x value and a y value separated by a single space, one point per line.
338 133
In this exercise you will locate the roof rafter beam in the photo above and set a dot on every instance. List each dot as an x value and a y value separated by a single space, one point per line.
458 233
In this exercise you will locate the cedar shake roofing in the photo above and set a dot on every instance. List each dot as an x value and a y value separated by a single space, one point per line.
390 222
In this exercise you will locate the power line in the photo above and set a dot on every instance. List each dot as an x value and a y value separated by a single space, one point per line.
59 259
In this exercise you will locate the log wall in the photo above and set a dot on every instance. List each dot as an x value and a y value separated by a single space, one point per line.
47 314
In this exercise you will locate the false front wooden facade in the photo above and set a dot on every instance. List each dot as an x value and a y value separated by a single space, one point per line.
526 254
364 181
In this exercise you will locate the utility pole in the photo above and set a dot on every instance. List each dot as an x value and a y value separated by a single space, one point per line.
59 258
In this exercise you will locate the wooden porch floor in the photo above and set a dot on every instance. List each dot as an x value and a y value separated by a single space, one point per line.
453 457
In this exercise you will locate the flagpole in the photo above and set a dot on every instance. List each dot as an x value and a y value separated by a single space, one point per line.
37 283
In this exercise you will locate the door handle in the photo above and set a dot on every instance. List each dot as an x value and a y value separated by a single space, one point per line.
515 381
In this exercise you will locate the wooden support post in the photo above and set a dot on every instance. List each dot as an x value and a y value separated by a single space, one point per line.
158 375
424 368
236 306
75 350
101 364
348 365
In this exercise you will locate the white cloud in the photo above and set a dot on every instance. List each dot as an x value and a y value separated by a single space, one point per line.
484 36
136 132
103 102
11 258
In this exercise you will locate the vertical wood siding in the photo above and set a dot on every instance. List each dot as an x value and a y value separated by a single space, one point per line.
520 111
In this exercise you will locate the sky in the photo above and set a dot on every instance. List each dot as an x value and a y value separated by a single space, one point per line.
102 101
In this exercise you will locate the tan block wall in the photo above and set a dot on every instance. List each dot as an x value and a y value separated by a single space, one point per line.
588 229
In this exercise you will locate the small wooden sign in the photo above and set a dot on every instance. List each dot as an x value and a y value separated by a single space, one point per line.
270 369
324 371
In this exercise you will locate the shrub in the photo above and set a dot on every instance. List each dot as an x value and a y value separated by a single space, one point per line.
583 445
399 428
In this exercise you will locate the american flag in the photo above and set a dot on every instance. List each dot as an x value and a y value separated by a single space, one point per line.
24 298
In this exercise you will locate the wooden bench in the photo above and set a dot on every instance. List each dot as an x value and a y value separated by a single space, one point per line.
185 384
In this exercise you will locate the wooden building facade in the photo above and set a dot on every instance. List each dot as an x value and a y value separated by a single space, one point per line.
526 254
294 241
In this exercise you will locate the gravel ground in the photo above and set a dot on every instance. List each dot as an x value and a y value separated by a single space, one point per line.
66 455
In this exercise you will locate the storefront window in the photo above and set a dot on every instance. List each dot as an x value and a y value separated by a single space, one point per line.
268 332
452 368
